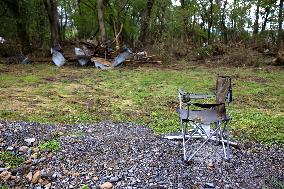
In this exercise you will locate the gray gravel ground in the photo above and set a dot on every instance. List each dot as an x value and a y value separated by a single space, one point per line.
132 156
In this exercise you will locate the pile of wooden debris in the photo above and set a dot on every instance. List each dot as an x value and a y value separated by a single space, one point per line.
102 56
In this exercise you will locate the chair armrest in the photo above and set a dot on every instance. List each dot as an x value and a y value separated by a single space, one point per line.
206 105
188 95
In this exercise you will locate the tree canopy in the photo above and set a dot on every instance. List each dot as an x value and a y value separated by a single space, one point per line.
136 23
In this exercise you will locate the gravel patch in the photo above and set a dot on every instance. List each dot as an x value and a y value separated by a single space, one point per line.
129 156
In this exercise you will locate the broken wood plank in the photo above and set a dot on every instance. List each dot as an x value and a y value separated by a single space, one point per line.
144 61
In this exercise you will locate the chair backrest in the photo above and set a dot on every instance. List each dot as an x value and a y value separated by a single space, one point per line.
223 93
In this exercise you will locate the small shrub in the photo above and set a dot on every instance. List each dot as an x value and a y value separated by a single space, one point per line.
272 182
204 52
51 145
85 187
10 159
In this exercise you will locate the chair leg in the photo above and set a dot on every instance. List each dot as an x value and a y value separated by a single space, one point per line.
228 151
183 130
223 145
226 148
208 138
184 127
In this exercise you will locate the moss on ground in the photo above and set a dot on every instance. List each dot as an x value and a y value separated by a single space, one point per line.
10 159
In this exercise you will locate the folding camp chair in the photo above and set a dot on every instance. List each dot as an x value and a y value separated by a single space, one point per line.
209 121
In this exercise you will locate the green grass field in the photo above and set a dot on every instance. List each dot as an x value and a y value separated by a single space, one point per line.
146 95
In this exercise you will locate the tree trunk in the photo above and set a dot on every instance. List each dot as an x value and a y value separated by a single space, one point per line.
22 33
100 7
185 21
117 34
161 17
145 21
280 23
256 25
210 22
267 12
65 21
234 22
51 8
224 28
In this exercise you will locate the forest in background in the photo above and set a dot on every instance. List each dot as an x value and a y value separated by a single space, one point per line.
163 26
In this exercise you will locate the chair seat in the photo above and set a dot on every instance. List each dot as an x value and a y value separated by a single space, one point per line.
207 116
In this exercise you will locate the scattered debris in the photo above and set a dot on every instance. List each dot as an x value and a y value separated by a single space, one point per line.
10 148
209 185
266 51
23 59
23 149
5 175
102 56
3 169
106 185
2 40
279 60
17 59
118 60
114 179
29 176
30 141
121 57
140 55
36 177
101 63
210 165
57 57
47 186
83 55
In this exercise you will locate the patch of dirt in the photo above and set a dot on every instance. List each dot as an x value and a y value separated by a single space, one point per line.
254 79
51 79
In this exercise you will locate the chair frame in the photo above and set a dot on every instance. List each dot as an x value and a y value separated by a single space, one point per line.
197 127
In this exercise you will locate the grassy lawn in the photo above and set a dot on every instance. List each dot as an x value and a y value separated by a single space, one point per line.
146 95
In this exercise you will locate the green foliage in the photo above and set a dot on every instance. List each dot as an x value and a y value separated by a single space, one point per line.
4 187
10 159
32 14
85 187
51 145
78 19
272 182
204 52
